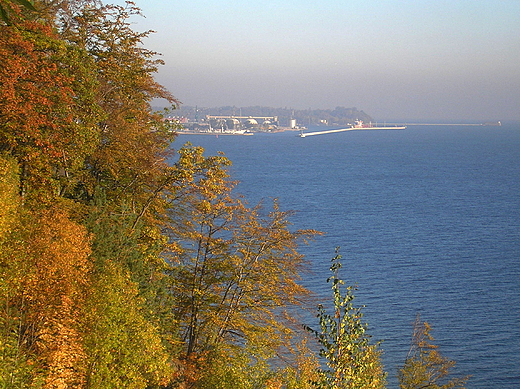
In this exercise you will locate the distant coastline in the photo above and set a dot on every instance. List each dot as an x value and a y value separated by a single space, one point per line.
282 117
248 120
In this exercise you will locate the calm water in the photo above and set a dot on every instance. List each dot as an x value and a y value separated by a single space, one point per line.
428 221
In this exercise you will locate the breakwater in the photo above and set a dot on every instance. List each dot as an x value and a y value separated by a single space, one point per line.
306 134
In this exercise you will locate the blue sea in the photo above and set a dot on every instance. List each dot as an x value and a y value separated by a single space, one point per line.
427 220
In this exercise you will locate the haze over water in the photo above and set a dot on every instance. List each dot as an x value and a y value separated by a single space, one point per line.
428 220
444 60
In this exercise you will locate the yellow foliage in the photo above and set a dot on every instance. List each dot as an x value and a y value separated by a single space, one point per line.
425 367
125 349
9 199
53 290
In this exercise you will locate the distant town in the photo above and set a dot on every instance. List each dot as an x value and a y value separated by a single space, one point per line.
248 120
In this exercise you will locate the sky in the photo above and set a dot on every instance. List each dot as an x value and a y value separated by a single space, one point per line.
429 60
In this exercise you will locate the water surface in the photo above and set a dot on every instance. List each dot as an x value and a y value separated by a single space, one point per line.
428 221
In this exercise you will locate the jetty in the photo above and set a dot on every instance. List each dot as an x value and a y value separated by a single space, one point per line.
305 134
352 128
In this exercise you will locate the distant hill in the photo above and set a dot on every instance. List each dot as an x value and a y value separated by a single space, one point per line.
308 117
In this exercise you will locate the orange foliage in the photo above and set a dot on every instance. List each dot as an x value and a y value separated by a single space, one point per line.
53 295
31 87
44 123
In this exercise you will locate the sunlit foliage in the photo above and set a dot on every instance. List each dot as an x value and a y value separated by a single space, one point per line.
424 366
352 361
47 118
45 275
234 271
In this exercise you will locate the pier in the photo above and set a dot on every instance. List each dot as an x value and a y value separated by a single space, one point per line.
353 128
305 134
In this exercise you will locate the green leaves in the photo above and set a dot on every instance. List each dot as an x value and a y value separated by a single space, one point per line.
352 361
125 349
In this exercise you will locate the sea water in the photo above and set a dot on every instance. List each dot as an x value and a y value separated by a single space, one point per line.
427 220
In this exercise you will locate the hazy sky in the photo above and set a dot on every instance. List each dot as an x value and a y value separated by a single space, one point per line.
394 59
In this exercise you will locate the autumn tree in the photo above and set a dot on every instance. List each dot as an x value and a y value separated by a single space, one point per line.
54 293
352 361
47 110
234 269
424 366
45 273
130 154
125 349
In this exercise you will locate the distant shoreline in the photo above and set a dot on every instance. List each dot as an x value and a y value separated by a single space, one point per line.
280 129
